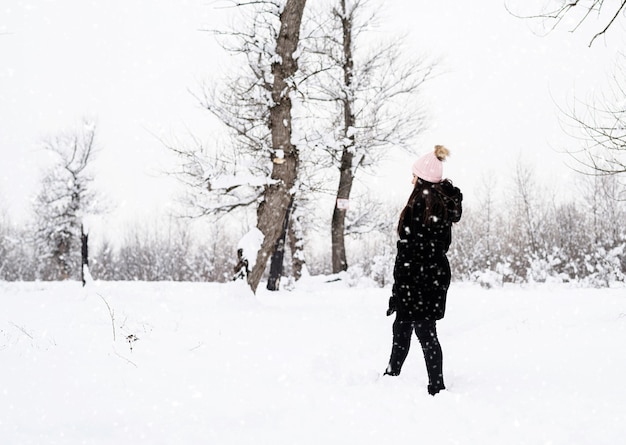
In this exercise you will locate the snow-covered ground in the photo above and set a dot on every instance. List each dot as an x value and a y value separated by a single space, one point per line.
213 364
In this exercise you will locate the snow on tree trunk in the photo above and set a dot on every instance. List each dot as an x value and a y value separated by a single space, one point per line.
277 197
249 246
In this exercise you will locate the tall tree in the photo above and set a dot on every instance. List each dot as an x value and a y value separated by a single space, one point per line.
372 101
254 104
346 167
278 195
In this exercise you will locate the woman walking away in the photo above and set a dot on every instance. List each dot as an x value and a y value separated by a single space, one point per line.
422 272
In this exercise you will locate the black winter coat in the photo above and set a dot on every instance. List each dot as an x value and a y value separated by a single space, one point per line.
422 272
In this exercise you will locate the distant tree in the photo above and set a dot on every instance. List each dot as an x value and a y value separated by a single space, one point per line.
481 234
602 246
467 250
526 217
66 196
104 265
490 219
598 195
568 232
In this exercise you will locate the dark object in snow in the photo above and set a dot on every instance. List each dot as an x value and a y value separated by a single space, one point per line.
84 254
241 268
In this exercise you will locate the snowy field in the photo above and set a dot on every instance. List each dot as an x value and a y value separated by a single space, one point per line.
543 364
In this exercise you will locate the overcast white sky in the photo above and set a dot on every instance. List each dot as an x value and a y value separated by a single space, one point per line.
129 64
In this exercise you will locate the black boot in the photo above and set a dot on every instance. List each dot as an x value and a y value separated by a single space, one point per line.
401 343
427 333
434 389
391 372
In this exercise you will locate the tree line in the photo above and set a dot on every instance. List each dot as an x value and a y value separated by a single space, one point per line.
514 233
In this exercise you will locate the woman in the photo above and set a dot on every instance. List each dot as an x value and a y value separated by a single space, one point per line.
422 272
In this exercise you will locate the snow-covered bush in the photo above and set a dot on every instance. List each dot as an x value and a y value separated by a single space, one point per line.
487 278
605 267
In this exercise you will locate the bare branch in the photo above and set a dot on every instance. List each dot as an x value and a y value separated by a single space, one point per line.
621 8
569 8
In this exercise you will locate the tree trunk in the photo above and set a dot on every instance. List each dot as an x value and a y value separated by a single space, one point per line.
339 261
84 253
276 264
346 169
277 197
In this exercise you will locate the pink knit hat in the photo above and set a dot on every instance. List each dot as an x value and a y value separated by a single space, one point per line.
430 166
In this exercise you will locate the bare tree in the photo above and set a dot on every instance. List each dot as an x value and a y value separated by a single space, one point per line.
485 225
370 97
278 195
527 213
261 160
600 200
65 197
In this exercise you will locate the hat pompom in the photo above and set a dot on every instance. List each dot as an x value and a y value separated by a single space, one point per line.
441 152
429 167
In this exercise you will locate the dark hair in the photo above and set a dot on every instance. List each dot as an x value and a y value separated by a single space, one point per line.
434 207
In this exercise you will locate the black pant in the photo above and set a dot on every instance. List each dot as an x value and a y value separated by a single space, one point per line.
426 332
